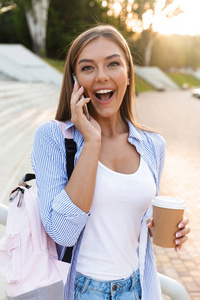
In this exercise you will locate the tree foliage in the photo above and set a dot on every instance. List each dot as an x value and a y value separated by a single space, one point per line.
67 19
132 14
176 52
13 25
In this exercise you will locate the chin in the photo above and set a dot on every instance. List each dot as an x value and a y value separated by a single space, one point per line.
105 115
101 112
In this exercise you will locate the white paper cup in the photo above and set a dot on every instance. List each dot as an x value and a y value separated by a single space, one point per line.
167 214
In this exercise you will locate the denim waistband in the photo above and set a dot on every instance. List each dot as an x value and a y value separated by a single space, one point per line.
106 286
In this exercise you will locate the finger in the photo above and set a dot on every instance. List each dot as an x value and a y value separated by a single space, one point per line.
80 104
182 232
181 240
149 222
75 98
178 248
183 223
76 94
75 88
83 101
78 111
179 243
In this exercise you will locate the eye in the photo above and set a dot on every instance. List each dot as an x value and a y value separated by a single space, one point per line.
86 68
114 64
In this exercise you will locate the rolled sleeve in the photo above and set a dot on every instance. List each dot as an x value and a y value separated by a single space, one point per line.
68 220
73 212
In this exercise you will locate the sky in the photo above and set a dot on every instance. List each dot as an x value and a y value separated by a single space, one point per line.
186 23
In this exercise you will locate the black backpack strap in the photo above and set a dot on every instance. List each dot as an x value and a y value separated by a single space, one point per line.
28 177
71 148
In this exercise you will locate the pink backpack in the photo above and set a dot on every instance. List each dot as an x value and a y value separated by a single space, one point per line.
28 257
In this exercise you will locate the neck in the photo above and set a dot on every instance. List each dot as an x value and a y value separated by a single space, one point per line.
113 126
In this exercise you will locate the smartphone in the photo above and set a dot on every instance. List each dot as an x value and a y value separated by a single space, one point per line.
85 109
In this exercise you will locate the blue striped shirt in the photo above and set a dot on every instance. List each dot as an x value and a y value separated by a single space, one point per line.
64 221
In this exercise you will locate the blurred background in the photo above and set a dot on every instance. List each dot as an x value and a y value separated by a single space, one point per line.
164 38
161 33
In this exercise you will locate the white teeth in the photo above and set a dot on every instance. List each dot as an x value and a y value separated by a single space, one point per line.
103 91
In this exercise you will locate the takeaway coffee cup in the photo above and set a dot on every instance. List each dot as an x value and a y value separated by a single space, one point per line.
167 214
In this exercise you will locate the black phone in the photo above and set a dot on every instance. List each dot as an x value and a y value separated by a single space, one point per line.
85 109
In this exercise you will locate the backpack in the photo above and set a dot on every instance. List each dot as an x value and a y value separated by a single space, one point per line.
28 256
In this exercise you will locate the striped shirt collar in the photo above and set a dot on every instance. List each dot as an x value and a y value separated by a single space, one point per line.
134 133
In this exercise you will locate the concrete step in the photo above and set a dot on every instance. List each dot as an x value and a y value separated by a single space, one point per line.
23 106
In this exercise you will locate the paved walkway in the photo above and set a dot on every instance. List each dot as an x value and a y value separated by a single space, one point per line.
175 114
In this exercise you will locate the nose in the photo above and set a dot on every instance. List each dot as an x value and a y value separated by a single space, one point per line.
101 75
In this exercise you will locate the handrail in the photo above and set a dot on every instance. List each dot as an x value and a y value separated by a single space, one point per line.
3 214
169 286
172 288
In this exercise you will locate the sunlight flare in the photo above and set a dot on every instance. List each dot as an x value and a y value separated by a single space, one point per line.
161 19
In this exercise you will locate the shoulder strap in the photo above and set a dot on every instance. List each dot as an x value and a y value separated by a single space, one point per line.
68 134
71 148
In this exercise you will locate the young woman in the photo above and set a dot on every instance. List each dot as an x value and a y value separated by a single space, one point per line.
104 208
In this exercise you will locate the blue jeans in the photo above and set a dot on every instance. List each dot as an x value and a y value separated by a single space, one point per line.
87 288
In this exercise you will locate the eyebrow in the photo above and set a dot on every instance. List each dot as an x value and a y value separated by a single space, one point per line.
91 60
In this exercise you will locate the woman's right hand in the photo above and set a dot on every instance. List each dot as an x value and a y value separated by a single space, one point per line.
90 129
81 185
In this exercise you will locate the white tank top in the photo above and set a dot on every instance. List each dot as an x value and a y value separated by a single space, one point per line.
110 241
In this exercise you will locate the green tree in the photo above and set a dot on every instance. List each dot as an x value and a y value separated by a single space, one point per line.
132 13
7 28
161 56
13 25
176 51
36 12
67 19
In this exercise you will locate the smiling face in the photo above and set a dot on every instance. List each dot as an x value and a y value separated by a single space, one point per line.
101 68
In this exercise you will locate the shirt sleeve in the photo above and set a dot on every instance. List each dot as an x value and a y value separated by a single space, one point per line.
62 219
159 145
161 159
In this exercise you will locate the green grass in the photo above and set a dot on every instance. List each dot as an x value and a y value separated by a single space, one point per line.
58 64
181 78
142 86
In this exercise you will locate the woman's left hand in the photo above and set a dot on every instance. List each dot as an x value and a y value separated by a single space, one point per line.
181 234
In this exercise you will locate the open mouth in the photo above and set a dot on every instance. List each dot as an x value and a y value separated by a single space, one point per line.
104 95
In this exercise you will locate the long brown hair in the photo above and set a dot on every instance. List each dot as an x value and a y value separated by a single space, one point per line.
63 112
